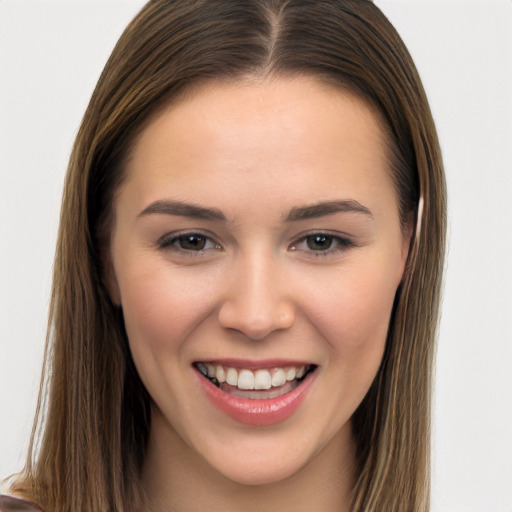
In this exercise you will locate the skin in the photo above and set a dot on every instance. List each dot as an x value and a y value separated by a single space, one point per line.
255 151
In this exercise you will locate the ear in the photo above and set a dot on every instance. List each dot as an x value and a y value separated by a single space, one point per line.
109 275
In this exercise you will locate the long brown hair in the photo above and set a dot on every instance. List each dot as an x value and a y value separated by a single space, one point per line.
93 409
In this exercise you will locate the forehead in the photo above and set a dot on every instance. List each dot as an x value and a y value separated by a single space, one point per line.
277 138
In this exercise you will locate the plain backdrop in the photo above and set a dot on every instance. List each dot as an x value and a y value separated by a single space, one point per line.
51 54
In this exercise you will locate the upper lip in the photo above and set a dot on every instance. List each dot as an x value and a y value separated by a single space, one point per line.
253 364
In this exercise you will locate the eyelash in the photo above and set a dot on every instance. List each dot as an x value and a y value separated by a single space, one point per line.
172 241
341 244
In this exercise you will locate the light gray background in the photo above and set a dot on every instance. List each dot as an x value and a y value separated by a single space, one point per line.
51 54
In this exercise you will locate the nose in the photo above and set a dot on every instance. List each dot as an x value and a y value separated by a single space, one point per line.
258 302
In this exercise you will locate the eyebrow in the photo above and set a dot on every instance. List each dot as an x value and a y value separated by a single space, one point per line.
183 210
327 208
168 207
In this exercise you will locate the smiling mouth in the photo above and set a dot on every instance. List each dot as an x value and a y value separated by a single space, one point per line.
260 384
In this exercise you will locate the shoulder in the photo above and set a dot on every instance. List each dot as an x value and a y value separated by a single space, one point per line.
13 504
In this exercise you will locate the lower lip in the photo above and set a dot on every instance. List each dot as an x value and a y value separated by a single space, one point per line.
256 412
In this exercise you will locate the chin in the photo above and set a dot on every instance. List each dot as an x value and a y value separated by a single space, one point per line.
259 474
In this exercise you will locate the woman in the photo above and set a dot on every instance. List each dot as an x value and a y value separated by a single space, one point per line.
244 298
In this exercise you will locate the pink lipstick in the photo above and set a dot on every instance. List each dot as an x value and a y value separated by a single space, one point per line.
266 397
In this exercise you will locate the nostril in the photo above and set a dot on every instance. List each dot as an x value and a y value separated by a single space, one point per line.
256 325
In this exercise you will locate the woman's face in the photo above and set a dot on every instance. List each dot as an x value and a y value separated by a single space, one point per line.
256 253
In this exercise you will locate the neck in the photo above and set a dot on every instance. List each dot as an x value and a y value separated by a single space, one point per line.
176 478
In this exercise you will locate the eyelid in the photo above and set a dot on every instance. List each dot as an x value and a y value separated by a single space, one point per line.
343 240
168 240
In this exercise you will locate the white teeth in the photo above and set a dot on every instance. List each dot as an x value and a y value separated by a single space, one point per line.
232 377
262 380
220 373
291 374
279 378
245 380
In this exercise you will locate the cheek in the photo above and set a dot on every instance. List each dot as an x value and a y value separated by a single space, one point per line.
353 318
159 309
353 314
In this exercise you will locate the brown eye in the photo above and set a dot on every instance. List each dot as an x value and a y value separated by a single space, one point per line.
319 242
187 243
192 242
322 244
